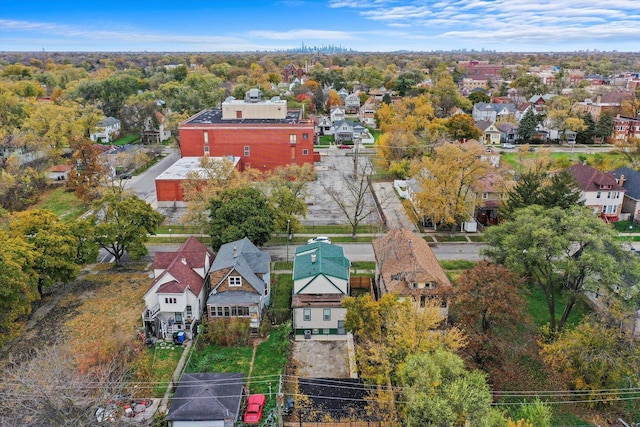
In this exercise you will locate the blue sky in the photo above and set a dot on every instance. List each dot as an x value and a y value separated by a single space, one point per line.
363 25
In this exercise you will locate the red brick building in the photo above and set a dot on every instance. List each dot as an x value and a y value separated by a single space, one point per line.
264 134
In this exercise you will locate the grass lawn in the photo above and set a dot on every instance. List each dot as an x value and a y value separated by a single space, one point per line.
127 139
540 312
214 358
61 202
327 139
158 363
270 360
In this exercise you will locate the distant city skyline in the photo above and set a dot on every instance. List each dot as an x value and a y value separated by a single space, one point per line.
359 25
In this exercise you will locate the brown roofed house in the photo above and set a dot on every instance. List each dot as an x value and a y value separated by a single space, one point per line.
406 265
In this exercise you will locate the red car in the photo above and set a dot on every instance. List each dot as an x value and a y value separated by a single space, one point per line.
344 146
255 406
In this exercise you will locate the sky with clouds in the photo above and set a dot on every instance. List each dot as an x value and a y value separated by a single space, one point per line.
362 25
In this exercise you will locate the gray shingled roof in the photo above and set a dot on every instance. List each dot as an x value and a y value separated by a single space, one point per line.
631 181
207 397
248 262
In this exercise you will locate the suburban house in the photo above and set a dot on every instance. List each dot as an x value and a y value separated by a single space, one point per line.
107 130
629 179
406 266
346 130
211 399
155 133
491 189
240 283
320 282
263 134
600 191
490 132
352 103
493 112
508 132
367 112
324 125
336 114
343 93
169 190
176 297
291 72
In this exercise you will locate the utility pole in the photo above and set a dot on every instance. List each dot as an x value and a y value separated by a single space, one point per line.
288 238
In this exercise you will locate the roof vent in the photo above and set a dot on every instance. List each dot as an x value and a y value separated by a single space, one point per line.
184 261
235 252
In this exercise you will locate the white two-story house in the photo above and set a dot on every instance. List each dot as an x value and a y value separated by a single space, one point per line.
600 191
107 130
176 298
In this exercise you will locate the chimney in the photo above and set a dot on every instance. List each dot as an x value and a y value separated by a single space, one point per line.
184 261
313 258
621 181
235 252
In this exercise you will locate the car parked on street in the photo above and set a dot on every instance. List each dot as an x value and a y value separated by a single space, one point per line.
323 239
508 145
255 406
345 146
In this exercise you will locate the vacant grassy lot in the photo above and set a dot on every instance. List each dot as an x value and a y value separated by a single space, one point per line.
62 202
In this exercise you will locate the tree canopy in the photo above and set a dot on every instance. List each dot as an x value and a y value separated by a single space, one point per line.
237 213
123 223
559 250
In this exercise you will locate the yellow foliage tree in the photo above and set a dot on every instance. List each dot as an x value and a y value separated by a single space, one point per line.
448 182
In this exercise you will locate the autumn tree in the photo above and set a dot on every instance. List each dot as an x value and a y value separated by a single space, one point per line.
399 144
19 283
446 96
286 189
54 244
437 390
489 307
559 250
478 96
206 182
88 169
123 223
461 127
448 181
333 99
237 213
597 357
389 330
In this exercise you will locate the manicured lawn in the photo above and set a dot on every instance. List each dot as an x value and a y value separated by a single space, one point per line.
61 202
327 139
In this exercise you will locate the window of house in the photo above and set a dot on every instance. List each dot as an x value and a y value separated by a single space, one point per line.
205 136
247 150
235 281
306 314
305 136
169 300
423 300
189 311
206 150
610 209
609 195
305 152
598 195
293 138
326 314
178 317
485 196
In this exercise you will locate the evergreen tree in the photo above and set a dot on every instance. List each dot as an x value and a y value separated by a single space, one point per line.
527 128
604 127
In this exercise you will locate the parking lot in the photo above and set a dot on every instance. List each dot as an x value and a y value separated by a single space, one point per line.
333 170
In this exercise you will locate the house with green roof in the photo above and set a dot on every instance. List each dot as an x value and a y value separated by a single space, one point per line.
320 282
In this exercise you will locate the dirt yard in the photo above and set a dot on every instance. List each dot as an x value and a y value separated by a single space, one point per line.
320 359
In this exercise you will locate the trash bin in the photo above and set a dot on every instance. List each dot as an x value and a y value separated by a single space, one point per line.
178 337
